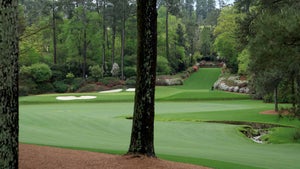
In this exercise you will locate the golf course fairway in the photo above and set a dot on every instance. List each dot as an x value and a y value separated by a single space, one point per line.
183 128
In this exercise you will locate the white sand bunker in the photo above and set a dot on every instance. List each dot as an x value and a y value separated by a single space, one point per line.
112 91
130 90
75 97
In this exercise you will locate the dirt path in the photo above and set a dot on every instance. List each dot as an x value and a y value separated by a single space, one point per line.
42 157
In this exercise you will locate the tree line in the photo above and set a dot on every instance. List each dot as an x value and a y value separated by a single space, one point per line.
83 38
260 39
75 39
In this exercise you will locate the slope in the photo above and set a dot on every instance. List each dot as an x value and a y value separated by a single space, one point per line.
204 78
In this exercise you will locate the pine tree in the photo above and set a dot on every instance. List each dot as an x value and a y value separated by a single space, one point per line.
142 135
9 85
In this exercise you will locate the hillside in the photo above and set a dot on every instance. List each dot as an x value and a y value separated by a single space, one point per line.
204 78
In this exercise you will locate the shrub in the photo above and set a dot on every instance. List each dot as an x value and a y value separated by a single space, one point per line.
163 66
130 82
27 86
25 72
40 72
111 81
70 75
87 88
115 70
60 86
23 91
69 78
58 72
45 88
76 84
96 72
129 71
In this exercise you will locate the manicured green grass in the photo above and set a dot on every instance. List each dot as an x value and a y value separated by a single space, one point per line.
181 131
204 78
98 127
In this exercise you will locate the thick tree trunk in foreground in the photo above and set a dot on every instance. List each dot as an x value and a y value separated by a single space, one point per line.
142 135
8 84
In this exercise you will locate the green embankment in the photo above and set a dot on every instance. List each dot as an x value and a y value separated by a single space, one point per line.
204 78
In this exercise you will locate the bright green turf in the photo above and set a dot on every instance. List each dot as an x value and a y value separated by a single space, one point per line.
180 131
98 127
203 79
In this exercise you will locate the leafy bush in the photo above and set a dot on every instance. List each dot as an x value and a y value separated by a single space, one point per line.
60 87
69 78
58 72
26 84
23 91
129 71
45 88
76 84
130 82
40 72
163 67
70 75
25 72
111 81
88 88
96 72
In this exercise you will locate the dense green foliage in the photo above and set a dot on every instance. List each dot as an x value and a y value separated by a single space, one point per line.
270 38
258 39
261 38
79 37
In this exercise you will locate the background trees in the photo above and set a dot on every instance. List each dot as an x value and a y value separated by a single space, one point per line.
270 35
71 36
226 43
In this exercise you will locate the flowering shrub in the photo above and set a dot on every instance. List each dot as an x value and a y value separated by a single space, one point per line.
115 70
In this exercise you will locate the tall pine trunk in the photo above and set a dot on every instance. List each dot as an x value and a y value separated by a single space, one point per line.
276 99
142 134
54 34
167 35
103 36
123 41
9 85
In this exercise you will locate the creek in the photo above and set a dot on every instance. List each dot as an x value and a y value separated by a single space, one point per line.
252 130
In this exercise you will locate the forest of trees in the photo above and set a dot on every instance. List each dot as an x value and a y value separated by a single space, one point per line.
63 44
63 41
